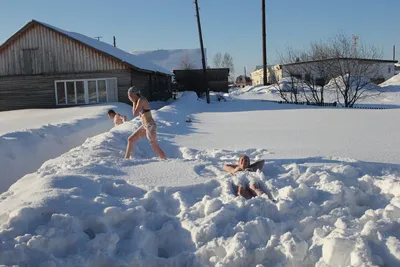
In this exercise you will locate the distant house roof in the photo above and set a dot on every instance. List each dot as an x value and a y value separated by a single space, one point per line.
107 49
241 77
344 58
173 59
259 67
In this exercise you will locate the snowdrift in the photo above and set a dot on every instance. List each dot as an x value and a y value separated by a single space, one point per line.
49 134
91 208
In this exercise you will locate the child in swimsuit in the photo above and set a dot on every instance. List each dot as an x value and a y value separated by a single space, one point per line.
141 108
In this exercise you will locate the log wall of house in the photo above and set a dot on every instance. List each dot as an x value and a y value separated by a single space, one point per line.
43 51
38 91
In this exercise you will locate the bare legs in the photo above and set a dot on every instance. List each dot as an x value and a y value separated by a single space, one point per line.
253 191
140 133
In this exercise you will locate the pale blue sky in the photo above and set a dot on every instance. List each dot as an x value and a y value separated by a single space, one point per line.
232 26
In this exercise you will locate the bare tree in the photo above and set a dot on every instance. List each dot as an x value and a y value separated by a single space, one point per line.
289 88
227 62
353 69
336 65
217 60
187 63
312 70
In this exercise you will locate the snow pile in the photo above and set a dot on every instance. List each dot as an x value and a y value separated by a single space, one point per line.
172 59
30 137
353 82
112 51
394 81
91 208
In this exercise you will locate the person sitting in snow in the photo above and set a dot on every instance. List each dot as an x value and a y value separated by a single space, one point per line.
244 165
117 118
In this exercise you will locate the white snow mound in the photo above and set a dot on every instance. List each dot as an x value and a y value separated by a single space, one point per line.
91 208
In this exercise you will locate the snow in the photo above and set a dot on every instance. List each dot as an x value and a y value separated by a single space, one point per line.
335 173
112 51
30 137
171 59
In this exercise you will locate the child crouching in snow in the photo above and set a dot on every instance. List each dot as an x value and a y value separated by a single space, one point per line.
244 165
116 117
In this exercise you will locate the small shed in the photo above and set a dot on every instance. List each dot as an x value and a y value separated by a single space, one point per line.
193 80
242 81
42 66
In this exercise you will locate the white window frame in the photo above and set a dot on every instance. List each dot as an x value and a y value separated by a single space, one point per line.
86 90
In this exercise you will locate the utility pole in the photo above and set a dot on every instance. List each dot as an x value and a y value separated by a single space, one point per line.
355 38
203 59
114 41
245 72
394 52
264 38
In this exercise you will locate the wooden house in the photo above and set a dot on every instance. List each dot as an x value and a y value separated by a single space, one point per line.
42 66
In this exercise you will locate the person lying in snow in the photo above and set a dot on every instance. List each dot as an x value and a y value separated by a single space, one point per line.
244 165
117 118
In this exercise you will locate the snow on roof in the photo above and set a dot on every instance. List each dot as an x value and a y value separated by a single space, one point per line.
172 59
124 56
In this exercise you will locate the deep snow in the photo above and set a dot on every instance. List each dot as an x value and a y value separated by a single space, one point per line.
89 207
30 137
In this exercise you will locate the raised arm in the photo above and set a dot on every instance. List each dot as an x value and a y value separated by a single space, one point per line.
256 166
231 168
137 108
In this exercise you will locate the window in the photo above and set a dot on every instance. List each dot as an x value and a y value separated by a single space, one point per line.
60 93
102 90
390 69
70 93
91 91
80 92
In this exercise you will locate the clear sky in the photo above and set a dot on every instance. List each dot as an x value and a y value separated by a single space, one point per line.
232 26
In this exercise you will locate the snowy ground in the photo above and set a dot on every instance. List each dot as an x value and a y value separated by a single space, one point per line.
335 173
388 98
30 137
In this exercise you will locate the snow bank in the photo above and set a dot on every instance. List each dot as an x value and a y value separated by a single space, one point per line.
91 208
394 81
30 137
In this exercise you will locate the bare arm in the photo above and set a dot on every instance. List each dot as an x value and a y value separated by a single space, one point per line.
137 108
256 166
231 168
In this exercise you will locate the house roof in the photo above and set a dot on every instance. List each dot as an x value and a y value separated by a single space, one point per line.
343 58
248 79
173 59
107 49
259 67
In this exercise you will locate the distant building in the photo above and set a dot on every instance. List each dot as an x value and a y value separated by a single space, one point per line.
257 76
42 66
174 59
193 80
242 81
385 70
396 68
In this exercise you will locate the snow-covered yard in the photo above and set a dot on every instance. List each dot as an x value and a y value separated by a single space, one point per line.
388 96
335 173
30 137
